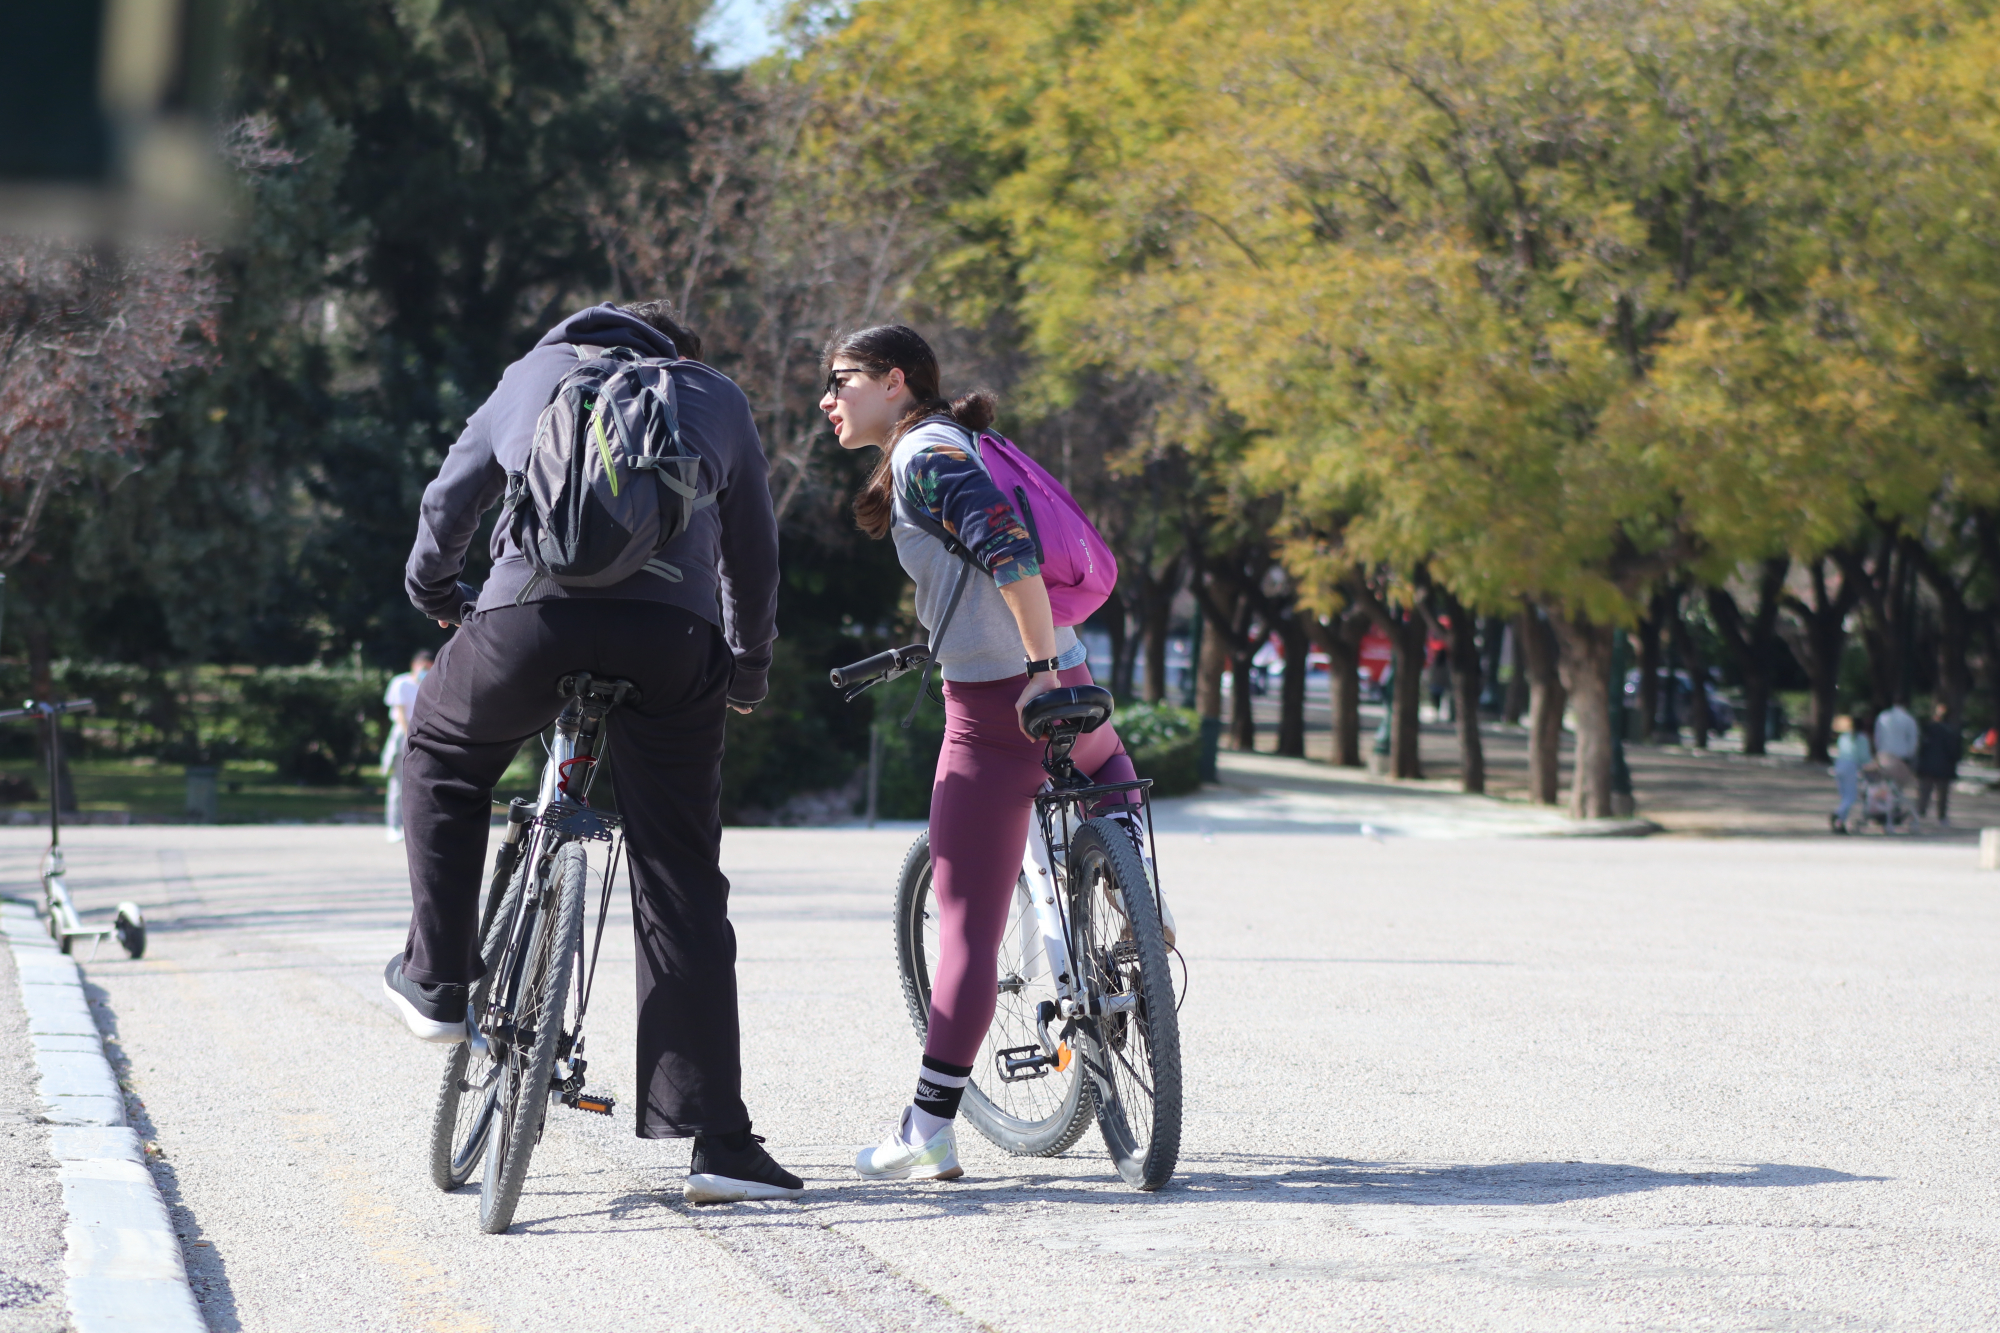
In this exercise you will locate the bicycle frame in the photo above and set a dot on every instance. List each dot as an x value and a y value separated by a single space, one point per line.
1045 864
563 814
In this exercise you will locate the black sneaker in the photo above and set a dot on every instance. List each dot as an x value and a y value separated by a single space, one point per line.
433 1013
732 1168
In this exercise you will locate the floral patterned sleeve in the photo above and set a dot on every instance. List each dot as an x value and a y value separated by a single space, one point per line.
946 484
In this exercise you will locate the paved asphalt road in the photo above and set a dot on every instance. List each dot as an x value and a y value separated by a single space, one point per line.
1432 1084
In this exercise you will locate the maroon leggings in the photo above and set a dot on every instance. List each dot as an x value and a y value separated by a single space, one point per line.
981 806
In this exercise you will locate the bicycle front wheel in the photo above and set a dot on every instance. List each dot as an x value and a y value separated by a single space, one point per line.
471 1087
537 983
1132 1052
1030 1117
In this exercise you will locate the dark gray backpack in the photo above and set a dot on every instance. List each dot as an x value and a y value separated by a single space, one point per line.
608 480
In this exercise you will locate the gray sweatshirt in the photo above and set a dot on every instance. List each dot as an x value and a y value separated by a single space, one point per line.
728 556
983 642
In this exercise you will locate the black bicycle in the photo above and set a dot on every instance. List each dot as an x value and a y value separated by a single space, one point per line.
526 1012
1086 1025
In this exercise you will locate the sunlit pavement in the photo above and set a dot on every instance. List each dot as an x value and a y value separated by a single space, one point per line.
1525 1083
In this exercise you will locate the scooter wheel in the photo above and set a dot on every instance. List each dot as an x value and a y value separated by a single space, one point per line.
130 928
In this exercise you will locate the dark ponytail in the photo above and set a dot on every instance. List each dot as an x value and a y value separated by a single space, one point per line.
878 351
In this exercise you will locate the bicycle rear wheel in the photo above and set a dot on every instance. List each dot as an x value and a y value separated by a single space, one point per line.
471 1086
538 988
1033 1117
1133 1056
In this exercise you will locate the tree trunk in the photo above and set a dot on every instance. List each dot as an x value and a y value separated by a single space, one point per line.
1121 645
1155 596
1292 698
1516 659
1878 583
1213 662
1242 721
1755 643
1953 649
1407 641
1992 625
1817 641
1537 652
1407 633
1492 639
1688 647
1823 679
1341 642
1954 642
1467 683
1649 667
1584 660
1155 635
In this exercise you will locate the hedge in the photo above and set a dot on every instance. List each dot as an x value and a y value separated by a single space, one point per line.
1165 745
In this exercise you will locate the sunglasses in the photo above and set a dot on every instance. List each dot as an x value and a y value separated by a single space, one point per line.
838 380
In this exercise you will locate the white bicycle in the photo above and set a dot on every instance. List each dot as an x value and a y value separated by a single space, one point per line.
1086 1025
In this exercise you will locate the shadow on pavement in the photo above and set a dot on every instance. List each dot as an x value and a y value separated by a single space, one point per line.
1339 1181
1274 1179
1344 1181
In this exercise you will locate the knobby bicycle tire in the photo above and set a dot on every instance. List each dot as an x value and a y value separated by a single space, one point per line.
1133 1058
469 1090
540 984
1059 1105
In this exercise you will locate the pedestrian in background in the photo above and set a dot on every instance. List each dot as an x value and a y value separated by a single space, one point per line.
1437 680
1896 744
400 697
1937 763
1851 753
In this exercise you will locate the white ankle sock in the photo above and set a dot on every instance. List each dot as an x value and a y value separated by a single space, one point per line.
920 1126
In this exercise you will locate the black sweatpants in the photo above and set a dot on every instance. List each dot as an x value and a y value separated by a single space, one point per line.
492 689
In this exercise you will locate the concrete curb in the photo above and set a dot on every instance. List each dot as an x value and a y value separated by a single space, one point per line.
124 1264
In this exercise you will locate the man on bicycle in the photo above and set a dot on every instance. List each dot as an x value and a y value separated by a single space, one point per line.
691 647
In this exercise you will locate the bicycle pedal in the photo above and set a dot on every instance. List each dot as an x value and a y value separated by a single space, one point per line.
597 1103
1018 1064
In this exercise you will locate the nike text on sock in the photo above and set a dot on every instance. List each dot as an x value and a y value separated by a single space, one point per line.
940 1085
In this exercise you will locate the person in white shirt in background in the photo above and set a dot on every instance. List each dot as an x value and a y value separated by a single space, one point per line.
1896 744
401 696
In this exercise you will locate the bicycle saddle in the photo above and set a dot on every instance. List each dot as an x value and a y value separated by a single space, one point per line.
1089 706
599 689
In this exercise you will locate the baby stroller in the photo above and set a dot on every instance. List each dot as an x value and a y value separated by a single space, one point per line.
1883 802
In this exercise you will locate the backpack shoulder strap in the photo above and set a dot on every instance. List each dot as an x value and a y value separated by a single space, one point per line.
967 563
931 525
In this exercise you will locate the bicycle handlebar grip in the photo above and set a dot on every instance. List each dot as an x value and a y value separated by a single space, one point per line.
866 669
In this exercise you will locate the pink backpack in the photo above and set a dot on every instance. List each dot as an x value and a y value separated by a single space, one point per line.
1076 561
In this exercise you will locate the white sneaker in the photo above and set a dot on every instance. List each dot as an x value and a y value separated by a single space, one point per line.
896 1159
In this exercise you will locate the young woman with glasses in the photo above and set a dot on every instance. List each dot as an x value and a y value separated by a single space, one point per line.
1002 649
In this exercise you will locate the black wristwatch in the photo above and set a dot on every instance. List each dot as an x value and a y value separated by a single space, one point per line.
1035 668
